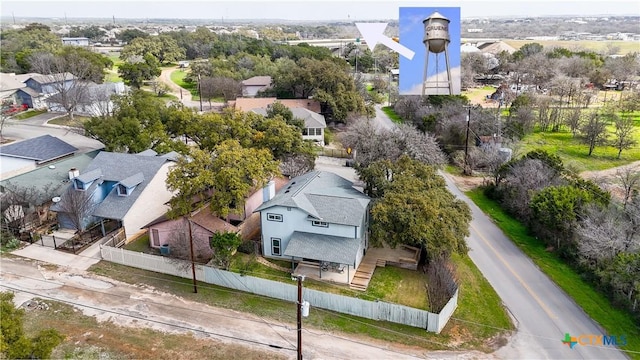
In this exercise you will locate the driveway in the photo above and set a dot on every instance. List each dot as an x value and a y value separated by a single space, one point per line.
37 120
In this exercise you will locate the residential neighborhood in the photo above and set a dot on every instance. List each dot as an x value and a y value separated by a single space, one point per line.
197 186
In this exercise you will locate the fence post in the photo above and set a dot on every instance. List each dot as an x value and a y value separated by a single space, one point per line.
42 240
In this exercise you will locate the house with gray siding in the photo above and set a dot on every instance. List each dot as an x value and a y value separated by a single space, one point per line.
318 217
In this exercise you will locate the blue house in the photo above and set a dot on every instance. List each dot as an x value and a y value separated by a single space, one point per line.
317 218
128 189
50 84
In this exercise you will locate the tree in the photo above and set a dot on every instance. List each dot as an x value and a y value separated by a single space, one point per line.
279 109
594 132
224 245
135 125
127 35
629 178
623 133
163 47
94 33
77 206
19 45
229 173
13 342
441 283
159 88
96 62
66 74
224 87
138 69
527 50
416 208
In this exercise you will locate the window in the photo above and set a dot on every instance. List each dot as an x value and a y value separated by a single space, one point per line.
305 131
274 217
79 185
275 246
122 190
320 223
155 237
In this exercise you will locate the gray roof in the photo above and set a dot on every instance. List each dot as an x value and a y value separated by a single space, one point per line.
29 91
132 180
172 155
56 178
48 79
41 149
323 247
89 176
324 196
148 152
118 167
311 119
9 82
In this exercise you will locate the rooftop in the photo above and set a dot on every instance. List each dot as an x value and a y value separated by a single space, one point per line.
41 149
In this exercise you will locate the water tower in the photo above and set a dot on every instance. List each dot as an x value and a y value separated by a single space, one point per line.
436 41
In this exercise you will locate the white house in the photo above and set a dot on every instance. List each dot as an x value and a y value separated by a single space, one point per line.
317 217
76 41
314 123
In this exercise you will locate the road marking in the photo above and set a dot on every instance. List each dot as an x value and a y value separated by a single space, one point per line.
524 284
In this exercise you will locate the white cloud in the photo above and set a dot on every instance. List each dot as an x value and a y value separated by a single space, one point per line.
442 88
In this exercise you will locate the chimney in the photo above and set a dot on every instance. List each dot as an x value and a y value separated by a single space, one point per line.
73 173
269 191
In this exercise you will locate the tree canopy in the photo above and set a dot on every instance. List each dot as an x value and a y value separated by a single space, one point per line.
416 208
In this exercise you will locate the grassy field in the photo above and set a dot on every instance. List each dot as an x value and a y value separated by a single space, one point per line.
112 74
392 114
574 154
28 114
460 333
177 76
595 304
598 46
85 338
66 121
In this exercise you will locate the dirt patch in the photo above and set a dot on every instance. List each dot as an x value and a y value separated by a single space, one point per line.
467 183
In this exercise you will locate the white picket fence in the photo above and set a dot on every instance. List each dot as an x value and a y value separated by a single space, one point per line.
376 310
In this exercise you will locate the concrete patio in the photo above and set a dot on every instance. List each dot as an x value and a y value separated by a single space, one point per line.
312 271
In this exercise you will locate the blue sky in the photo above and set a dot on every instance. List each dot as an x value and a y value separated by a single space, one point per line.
411 35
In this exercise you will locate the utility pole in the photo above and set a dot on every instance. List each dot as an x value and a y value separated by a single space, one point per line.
466 144
200 92
303 310
193 264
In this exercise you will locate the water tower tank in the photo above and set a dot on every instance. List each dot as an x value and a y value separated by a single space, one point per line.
436 32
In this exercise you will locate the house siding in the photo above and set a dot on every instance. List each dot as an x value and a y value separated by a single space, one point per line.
167 235
296 220
252 90
151 203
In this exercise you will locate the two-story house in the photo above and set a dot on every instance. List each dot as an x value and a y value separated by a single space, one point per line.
127 188
314 123
318 217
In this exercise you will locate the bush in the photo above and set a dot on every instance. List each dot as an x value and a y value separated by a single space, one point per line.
247 247
12 244
328 136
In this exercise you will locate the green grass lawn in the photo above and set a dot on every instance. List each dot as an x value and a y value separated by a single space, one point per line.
475 293
28 114
575 154
66 121
141 244
177 76
112 74
594 303
392 114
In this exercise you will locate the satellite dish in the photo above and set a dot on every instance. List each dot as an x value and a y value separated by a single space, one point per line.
56 199
52 166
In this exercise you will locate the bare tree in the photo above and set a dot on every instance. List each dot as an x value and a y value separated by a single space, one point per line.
78 206
441 283
225 87
296 165
623 133
629 178
574 121
594 132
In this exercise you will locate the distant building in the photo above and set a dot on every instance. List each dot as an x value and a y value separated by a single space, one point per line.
76 41
252 86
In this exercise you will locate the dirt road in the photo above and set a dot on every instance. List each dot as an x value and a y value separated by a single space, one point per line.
138 306
184 94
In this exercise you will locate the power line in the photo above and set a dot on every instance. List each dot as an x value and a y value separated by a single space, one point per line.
145 319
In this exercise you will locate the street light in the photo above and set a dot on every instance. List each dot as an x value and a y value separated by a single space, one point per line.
466 144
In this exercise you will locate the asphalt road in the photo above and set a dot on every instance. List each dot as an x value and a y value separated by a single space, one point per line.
543 312
34 127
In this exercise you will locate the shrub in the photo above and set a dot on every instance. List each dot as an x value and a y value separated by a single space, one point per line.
247 247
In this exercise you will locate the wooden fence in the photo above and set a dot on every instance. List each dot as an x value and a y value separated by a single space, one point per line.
376 310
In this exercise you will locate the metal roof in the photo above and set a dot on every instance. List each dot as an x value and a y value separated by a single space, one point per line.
41 149
335 249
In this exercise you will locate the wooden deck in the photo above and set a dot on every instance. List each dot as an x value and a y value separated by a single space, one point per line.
404 256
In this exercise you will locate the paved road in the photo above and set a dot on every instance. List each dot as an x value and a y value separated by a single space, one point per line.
382 120
542 311
185 95
27 129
